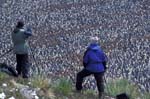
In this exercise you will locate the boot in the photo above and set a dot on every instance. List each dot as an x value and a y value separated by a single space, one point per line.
101 95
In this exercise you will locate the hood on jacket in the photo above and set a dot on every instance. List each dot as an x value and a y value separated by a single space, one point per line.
16 30
94 46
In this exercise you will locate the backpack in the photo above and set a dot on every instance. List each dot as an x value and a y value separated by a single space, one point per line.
8 69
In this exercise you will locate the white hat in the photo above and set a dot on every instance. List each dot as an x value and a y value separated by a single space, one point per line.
94 39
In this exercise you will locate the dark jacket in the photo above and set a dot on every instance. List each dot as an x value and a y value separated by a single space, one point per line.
94 58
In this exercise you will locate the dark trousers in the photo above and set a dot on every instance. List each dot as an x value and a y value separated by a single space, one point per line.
84 73
22 65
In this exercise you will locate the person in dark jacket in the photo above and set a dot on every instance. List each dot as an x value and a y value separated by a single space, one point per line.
19 39
94 62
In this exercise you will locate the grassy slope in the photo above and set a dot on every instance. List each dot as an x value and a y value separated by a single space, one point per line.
47 89
62 88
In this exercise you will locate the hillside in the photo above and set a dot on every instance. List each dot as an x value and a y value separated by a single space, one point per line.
62 29
39 88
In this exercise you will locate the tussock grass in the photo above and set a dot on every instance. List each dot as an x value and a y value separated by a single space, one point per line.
122 86
63 86
146 95
64 89
89 92
3 76
40 82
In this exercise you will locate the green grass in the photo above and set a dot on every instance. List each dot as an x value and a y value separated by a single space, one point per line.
22 80
3 76
89 92
40 82
122 86
146 95
63 86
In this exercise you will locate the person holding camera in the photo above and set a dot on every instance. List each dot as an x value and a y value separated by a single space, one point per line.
19 39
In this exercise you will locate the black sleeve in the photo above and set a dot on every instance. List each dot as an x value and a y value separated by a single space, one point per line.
84 64
104 64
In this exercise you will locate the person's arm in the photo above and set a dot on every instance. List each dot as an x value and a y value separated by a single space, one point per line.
85 58
28 32
105 59
104 64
